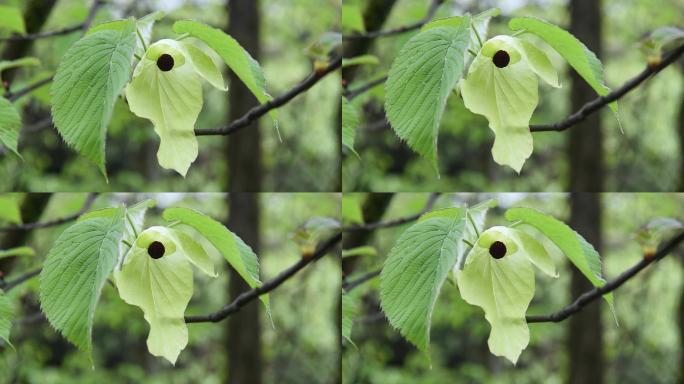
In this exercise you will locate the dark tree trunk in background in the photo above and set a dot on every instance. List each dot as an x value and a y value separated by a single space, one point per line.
244 330
681 138
585 337
35 15
244 174
32 208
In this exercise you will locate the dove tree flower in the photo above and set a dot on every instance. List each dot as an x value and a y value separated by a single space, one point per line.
493 270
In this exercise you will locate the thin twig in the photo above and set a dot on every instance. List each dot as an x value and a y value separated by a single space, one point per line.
251 295
352 93
279 101
42 35
51 223
396 31
349 285
610 286
396 222
600 102
13 96
7 285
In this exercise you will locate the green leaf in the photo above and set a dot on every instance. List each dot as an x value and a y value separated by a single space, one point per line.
143 28
503 288
171 99
350 309
237 58
205 66
238 254
74 273
351 209
415 271
134 219
88 81
352 19
365 250
420 80
6 314
11 19
158 279
350 121
361 60
9 209
574 51
573 245
321 48
10 125
23 62
17 251
507 96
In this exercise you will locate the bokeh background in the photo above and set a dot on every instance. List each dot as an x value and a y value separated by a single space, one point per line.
276 32
646 347
647 157
303 345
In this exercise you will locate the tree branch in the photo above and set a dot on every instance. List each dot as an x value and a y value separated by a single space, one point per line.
396 222
350 94
396 31
349 285
51 223
7 285
251 295
279 101
13 96
41 35
610 286
600 102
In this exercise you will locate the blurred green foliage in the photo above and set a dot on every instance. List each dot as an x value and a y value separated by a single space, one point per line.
646 158
645 347
306 160
302 347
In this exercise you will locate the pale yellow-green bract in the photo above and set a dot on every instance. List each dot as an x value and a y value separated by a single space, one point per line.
172 99
504 287
162 287
507 96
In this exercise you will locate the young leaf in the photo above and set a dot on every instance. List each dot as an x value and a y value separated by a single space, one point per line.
6 315
238 254
74 273
11 19
166 90
23 62
573 245
350 309
17 252
502 87
143 29
9 209
415 271
574 51
350 121
420 80
365 250
352 19
360 60
232 53
156 276
10 125
351 209
89 78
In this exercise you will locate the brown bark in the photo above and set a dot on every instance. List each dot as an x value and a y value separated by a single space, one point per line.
585 337
244 167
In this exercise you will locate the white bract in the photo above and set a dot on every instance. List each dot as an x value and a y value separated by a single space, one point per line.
157 277
502 86
166 89
498 277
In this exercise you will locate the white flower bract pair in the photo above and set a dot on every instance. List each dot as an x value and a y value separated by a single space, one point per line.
505 92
